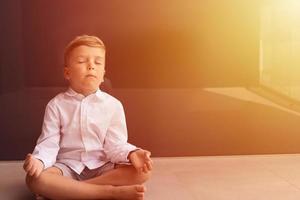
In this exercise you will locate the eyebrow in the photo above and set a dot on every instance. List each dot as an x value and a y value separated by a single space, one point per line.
83 56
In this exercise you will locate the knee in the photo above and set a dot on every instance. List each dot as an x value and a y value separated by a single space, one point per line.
143 177
30 182
33 183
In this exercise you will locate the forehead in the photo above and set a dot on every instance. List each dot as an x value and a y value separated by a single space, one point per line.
87 51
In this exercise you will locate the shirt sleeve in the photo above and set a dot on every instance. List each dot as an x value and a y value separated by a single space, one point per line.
116 146
47 145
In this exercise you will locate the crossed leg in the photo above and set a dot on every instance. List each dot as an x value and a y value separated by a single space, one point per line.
53 185
121 175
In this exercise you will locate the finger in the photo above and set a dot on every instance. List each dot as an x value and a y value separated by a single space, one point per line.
145 168
31 157
151 161
32 171
29 166
26 162
140 170
149 165
28 157
147 153
37 173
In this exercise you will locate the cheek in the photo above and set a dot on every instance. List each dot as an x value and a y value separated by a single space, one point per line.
100 70
75 77
77 72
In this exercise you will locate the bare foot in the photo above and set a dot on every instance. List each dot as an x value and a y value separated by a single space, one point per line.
132 192
129 192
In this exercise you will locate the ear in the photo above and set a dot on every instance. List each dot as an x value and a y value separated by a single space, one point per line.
67 73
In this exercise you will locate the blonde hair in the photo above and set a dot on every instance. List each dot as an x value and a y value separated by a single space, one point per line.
87 40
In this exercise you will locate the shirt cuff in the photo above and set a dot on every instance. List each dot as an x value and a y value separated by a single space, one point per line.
44 161
124 157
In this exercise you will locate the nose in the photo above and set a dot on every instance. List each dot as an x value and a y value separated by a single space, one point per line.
91 66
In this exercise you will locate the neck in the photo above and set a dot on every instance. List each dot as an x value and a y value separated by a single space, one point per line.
84 92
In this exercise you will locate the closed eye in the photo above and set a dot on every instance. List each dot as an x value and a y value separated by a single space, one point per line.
81 61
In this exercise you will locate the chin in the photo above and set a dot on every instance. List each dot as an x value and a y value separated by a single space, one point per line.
93 88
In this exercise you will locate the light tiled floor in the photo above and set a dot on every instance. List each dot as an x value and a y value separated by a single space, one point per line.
255 177
248 177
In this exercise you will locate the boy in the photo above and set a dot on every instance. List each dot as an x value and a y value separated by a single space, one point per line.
82 152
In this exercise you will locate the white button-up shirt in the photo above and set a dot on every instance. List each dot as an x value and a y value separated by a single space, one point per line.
83 131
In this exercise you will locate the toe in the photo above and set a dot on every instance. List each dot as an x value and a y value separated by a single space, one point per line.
140 195
141 188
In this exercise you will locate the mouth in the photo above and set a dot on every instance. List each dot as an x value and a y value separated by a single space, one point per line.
91 76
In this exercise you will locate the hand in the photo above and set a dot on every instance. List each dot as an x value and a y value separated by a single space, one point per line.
33 166
141 160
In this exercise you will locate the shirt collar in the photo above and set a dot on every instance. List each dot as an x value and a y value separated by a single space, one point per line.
72 93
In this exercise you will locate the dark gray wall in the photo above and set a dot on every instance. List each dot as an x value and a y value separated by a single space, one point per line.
11 48
151 45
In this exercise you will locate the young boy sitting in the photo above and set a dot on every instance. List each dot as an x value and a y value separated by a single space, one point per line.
82 152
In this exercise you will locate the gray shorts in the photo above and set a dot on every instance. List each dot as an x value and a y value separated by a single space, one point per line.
86 173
